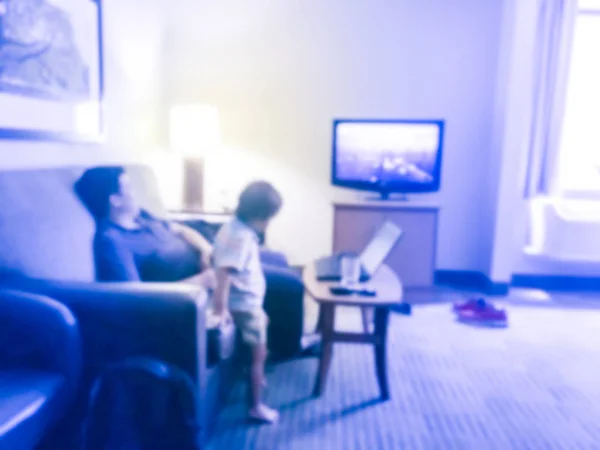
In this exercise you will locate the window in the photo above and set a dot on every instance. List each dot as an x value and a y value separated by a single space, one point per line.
579 158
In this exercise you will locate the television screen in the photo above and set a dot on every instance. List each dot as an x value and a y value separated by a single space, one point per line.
387 156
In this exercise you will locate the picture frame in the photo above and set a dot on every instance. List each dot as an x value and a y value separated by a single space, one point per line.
51 70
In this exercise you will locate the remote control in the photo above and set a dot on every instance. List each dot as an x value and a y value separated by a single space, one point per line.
341 290
368 292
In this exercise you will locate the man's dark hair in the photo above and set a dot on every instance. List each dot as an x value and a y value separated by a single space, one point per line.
95 187
258 201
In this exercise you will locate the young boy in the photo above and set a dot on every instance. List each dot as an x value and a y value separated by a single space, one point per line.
240 281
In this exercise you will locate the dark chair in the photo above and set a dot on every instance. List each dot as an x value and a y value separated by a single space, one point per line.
40 364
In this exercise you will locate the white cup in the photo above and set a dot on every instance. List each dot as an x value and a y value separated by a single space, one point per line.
350 270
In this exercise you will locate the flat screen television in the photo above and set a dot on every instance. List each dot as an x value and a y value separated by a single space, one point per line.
387 156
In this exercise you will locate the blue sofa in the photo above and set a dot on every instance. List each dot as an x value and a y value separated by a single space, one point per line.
46 235
40 364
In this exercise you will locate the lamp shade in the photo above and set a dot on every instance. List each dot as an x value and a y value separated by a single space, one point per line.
194 129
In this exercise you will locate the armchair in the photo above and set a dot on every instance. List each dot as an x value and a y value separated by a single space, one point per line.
40 364
47 249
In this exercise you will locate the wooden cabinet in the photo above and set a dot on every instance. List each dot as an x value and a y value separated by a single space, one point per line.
413 259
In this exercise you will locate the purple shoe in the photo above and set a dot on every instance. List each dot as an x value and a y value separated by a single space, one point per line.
472 304
488 315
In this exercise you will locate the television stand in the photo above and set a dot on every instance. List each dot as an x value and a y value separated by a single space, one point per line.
386 196
413 259
400 197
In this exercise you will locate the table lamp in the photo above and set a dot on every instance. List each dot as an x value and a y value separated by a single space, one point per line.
194 130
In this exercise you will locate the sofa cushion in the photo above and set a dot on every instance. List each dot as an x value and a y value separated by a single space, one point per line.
30 403
45 231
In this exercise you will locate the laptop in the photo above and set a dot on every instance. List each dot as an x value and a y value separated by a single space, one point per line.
371 258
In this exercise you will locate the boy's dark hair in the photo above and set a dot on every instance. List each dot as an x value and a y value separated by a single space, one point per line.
258 201
95 187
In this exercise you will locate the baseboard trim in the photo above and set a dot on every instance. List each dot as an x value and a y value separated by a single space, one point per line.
557 282
467 279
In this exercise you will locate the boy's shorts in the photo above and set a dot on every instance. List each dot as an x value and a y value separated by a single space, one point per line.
252 325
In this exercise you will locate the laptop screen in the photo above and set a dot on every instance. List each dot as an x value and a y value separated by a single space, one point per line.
380 246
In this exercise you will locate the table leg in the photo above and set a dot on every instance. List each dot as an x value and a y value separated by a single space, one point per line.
381 326
319 327
327 330
367 318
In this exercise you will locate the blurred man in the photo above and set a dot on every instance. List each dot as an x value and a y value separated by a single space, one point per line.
132 245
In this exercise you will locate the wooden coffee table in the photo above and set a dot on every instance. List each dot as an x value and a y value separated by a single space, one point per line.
389 294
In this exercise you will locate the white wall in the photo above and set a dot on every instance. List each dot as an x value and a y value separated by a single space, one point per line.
512 210
132 40
280 71
507 206
491 188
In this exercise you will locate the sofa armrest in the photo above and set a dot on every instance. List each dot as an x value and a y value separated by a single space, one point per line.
284 304
282 276
119 320
207 229
273 259
187 216
207 224
39 333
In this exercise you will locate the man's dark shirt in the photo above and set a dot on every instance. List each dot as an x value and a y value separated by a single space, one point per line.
152 252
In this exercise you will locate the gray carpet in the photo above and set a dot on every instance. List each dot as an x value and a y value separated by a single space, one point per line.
534 385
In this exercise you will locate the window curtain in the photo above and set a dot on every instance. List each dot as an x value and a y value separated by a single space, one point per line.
555 25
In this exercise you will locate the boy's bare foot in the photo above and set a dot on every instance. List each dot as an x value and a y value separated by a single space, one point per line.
263 413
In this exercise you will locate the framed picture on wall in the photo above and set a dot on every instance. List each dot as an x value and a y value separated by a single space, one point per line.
51 74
